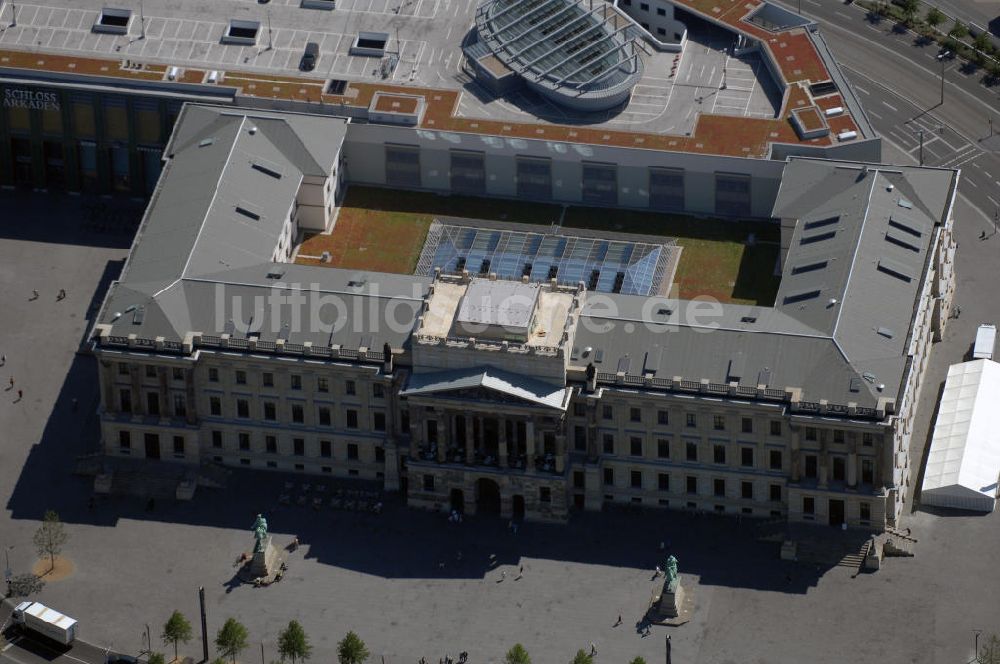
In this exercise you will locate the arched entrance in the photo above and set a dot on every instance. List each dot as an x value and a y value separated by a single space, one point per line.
458 500
517 508
487 496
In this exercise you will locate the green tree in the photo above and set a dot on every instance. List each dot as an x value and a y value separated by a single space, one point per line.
293 643
50 537
582 658
637 660
989 652
517 655
231 640
176 630
982 42
958 31
156 658
934 17
219 660
23 585
910 8
352 650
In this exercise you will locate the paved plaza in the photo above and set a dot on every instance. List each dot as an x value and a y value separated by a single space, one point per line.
396 578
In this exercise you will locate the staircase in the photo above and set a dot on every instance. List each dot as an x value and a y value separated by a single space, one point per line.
144 485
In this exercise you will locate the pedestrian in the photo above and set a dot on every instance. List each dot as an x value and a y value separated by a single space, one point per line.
19 395
982 235
62 294
663 545
619 620
11 383
593 649
657 572
34 294
3 360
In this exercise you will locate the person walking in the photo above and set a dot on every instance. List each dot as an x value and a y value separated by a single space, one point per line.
593 649
20 394
11 383
62 294
34 294
3 360
619 620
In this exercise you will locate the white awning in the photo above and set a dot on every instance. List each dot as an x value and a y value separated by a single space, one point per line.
964 459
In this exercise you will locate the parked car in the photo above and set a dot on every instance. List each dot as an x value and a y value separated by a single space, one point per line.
115 658
310 57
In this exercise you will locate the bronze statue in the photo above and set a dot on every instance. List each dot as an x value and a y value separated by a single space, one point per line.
259 533
670 572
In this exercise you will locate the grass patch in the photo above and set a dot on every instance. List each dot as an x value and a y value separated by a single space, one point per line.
384 231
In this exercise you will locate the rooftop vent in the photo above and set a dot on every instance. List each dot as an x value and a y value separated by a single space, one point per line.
276 273
748 319
792 298
267 168
205 142
247 211
241 32
139 315
906 228
252 130
113 21
900 242
370 44
818 237
903 203
336 86
819 223
885 332
894 269
809 267
664 311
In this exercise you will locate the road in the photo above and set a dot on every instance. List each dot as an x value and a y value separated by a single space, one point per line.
19 648
980 12
898 82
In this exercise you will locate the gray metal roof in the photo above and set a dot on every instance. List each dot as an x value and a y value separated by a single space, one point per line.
507 303
491 378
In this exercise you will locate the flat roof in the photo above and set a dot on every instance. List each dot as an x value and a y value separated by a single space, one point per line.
498 302
663 113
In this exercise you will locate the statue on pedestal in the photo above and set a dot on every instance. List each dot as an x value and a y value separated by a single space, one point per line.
670 572
259 533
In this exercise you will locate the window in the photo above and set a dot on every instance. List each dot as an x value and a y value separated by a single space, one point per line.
719 488
579 480
636 479
402 166
666 187
180 405
150 371
839 469
867 471
608 412
690 420
599 183
296 382
378 422
177 373
533 178
298 415
152 403
838 436
270 411
811 466
810 433
719 422
775 459
244 441
217 439
746 490
352 419
215 405
579 409
124 440
213 375
866 439
324 416
660 11
122 369
663 417
378 391
379 454
732 194
635 414
267 379
178 446
866 512
325 449
241 377
746 426
635 446
271 444
719 453
808 505
609 444
691 449
776 493
775 427
242 408
609 476
663 482
428 482
692 484
663 448
299 446
746 457
322 384
544 494
350 387
580 438
352 451
644 6
125 398
468 172
244 462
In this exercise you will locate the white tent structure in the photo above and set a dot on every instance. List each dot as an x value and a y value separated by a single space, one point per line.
964 460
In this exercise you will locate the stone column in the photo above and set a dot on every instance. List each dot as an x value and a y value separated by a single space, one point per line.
191 397
852 469
529 443
108 388
442 439
502 442
470 447
166 403
391 469
138 403
796 457
560 452
591 429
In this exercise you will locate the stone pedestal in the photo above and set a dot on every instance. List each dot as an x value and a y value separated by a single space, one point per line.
264 562
669 603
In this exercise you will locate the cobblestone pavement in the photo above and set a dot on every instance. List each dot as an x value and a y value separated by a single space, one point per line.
396 578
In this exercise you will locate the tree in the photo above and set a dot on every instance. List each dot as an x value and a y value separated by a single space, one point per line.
231 640
989 653
156 658
23 585
176 630
958 31
638 660
934 17
50 537
352 650
910 8
293 643
582 658
982 42
517 655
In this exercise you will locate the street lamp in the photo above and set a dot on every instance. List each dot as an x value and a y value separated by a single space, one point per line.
943 58
149 643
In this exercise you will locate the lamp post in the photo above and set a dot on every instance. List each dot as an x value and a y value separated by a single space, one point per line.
943 58
149 643
975 652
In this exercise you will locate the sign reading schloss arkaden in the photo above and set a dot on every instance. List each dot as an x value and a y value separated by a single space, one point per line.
33 99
